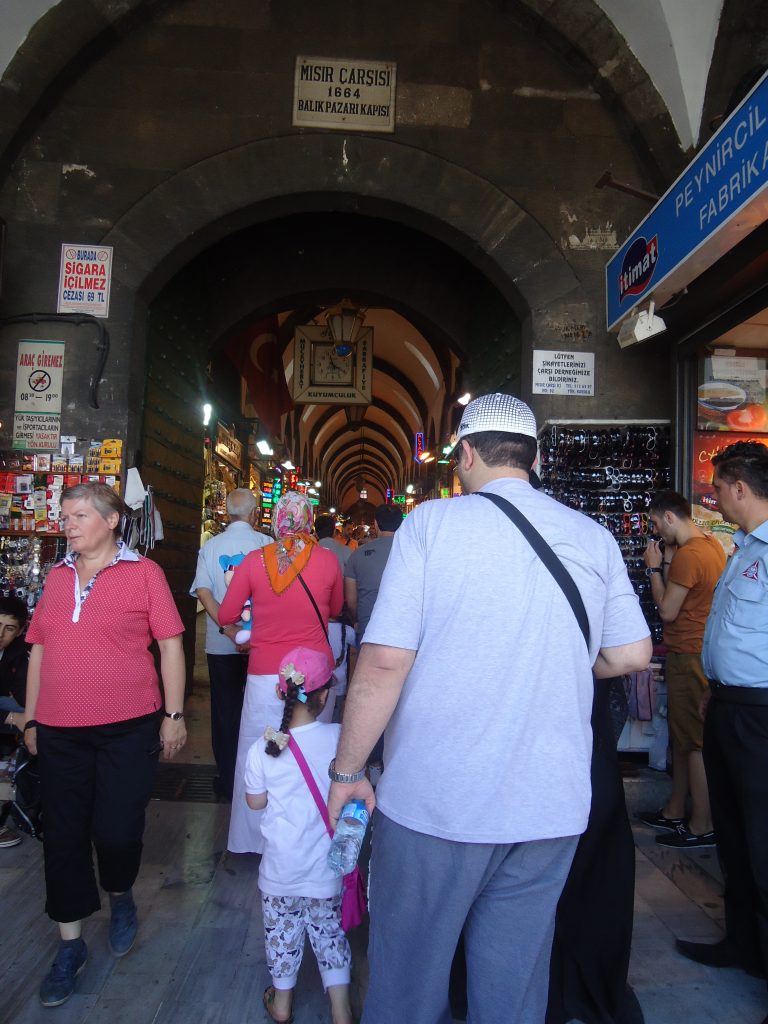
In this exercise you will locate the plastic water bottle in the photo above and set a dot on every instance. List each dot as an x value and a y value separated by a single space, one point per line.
348 837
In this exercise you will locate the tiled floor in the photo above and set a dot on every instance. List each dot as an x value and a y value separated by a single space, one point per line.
200 955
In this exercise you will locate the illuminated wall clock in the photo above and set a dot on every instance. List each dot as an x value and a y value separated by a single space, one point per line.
328 367
322 377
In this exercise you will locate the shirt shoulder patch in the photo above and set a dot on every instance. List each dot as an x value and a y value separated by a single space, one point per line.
751 572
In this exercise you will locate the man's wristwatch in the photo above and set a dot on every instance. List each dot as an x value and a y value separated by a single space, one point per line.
176 716
347 777
652 569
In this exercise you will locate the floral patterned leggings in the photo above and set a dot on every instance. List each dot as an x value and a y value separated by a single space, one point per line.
286 920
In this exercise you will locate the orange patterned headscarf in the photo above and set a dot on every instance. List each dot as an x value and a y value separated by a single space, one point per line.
291 525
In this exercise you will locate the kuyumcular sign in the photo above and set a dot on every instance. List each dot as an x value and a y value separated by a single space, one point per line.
718 199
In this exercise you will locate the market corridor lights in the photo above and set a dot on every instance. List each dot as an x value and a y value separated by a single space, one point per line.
207 410
465 399
264 448
317 483
332 510
409 489
287 464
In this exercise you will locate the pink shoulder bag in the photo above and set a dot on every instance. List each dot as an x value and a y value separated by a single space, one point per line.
353 905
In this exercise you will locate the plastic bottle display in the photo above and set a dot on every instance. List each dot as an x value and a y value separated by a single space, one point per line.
348 837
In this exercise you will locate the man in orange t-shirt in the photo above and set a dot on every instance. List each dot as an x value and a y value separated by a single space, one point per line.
345 538
683 577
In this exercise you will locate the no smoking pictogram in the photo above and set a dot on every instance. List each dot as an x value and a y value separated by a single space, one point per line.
39 381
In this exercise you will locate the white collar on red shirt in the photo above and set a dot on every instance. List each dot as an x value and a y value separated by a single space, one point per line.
124 554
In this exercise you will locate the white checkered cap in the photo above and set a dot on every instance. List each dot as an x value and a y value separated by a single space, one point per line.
497 412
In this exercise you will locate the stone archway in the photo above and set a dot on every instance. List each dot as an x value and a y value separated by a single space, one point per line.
190 211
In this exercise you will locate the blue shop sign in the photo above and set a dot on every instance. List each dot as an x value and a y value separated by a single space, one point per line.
717 200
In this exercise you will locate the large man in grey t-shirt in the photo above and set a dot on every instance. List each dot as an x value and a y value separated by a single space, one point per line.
474 662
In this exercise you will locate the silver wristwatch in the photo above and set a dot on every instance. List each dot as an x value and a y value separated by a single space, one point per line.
176 716
347 777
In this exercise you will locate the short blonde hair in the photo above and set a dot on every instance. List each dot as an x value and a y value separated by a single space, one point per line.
103 498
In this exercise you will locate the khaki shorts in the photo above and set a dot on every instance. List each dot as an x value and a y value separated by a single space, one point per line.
686 685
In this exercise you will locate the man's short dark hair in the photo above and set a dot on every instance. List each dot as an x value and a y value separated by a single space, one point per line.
325 525
15 608
746 461
498 448
670 501
388 517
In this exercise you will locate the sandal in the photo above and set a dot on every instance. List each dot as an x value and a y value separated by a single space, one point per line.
268 1000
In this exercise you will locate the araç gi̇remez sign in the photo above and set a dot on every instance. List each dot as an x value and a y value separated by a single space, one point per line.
345 94
37 411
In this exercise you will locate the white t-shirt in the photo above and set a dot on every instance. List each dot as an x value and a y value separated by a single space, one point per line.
334 637
490 740
296 842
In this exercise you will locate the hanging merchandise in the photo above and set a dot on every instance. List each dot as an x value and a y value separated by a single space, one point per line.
611 474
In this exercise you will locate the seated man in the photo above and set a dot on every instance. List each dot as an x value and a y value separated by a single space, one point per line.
14 655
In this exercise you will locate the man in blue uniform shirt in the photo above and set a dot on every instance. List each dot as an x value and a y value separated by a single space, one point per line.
735 658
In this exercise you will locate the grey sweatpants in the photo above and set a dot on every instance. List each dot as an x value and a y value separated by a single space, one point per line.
424 891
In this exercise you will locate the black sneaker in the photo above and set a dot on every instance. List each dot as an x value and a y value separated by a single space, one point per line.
657 820
683 839
59 983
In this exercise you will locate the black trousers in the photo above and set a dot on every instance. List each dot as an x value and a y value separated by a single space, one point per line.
227 674
96 784
736 762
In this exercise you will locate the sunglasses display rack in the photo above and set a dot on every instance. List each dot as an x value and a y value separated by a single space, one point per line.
611 472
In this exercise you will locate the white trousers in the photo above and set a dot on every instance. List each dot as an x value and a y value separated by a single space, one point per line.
261 707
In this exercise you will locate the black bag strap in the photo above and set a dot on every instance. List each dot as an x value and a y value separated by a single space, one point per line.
324 627
314 605
548 557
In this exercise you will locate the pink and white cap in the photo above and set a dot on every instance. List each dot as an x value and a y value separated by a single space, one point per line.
307 669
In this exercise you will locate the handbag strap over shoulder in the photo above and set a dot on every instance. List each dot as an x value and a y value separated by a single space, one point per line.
314 605
548 557
295 749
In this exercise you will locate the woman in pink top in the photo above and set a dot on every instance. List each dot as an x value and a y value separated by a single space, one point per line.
281 580
94 718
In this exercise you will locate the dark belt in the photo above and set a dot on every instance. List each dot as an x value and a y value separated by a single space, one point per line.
739 694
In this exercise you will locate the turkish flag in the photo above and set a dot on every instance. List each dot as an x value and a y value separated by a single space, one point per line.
255 353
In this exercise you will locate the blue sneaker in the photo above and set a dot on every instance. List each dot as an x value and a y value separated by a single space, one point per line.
59 983
123 925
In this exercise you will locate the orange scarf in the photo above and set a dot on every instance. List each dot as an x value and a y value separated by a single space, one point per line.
285 559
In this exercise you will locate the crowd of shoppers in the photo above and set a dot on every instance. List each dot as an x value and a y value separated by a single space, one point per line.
508 659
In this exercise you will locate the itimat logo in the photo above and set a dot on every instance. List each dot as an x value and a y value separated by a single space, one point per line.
638 266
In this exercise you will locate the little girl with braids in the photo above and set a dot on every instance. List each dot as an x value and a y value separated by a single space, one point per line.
299 892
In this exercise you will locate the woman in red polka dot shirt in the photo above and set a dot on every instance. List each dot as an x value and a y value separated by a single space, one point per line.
94 717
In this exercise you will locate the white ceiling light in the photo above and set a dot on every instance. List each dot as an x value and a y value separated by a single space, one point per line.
264 448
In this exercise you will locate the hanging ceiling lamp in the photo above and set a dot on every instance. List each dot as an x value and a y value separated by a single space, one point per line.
344 323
